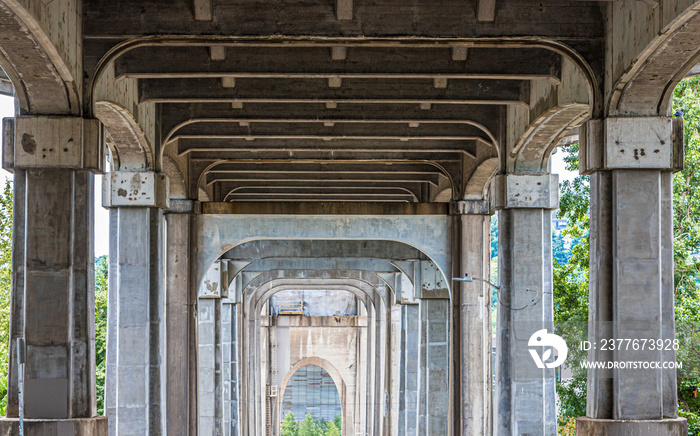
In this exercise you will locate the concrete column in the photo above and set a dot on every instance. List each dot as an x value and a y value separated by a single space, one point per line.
179 304
135 374
525 393
53 303
473 255
410 360
433 405
631 295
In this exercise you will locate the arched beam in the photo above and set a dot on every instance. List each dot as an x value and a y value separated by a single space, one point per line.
329 368
42 81
178 188
129 146
647 86
478 182
532 151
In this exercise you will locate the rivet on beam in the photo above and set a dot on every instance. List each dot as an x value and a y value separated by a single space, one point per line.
217 52
203 10
414 125
335 82
459 53
244 123
228 82
331 105
343 10
404 139
425 106
339 53
249 138
440 82
237 105
329 124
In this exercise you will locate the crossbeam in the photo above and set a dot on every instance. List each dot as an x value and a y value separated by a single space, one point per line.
310 91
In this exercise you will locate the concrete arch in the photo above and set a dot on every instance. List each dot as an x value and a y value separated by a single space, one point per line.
364 280
43 82
477 184
331 370
647 86
178 189
221 233
532 151
129 147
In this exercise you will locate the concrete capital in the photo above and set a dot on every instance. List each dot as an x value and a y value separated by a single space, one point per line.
470 207
136 189
631 143
52 142
525 191
178 205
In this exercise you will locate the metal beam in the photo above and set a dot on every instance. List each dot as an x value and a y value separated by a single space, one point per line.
311 91
314 62
310 177
176 115
367 208
266 147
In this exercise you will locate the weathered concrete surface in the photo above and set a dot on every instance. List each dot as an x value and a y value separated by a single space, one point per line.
218 234
631 283
525 394
96 426
475 331
606 427
134 400
53 303
178 313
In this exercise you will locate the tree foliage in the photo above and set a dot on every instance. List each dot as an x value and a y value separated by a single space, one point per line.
5 287
310 426
101 280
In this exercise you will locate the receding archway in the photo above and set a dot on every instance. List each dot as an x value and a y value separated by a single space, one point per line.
332 372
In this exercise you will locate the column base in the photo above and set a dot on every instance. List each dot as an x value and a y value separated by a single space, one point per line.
609 427
96 426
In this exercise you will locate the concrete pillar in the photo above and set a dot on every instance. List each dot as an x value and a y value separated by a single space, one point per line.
631 295
410 367
434 390
179 304
53 303
473 307
135 391
525 394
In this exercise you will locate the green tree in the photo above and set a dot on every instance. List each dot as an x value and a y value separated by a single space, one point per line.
290 426
5 287
101 280
338 421
309 427
332 429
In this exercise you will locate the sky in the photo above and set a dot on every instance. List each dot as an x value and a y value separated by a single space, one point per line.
102 214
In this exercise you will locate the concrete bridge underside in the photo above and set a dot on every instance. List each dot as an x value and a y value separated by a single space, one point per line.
251 148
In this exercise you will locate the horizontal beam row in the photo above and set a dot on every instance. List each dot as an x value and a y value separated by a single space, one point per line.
316 91
354 62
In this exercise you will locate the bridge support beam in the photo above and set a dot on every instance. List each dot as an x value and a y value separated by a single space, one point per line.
631 161
473 306
53 307
179 320
134 399
526 393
